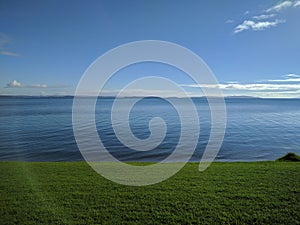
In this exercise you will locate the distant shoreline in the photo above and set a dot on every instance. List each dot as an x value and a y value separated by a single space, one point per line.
131 97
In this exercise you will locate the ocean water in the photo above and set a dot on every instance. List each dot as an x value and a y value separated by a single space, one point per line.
40 129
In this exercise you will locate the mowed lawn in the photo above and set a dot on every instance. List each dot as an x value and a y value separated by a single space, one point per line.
226 193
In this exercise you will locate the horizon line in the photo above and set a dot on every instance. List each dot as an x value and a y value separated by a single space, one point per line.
149 96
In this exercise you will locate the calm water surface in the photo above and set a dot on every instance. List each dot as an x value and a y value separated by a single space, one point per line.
40 129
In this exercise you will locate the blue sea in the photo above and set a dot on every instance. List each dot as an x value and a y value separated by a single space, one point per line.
40 129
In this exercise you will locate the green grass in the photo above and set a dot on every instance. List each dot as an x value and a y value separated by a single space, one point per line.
226 193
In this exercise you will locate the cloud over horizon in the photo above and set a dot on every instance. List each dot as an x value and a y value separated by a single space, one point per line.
288 86
16 84
289 78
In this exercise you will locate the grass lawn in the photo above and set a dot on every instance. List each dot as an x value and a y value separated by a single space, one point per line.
226 193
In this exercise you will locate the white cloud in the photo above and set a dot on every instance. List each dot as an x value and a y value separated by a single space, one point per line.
289 86
271 12
264 16
16 84
229 21
4 42
280 94
262 87
297 3
286 80
280 6
291 75
244 26
289 78
9 53
262 25
250 87
13 84
37 86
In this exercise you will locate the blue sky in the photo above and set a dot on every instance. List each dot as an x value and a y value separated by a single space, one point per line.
252 47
